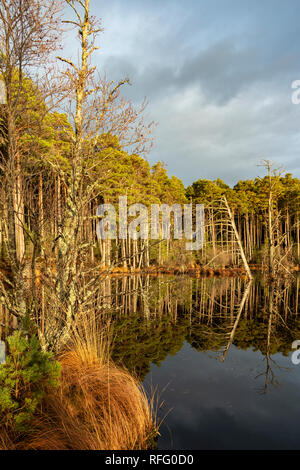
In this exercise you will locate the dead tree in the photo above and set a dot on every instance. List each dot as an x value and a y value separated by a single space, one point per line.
238 239
274 218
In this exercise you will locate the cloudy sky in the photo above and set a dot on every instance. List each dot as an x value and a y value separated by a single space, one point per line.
217 75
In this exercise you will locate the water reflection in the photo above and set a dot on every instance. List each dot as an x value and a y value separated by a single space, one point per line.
220 351
153 318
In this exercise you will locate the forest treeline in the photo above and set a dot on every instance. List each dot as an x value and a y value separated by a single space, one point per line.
254 204
57 167
45 151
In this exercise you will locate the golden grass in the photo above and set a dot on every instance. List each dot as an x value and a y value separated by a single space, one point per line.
98 406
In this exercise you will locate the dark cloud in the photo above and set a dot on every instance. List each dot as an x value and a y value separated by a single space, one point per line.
217 76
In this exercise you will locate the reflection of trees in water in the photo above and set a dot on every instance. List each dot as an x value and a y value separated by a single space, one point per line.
153 317
275 298
277 305
270 377
237 320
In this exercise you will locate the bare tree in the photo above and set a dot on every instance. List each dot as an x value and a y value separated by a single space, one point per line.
238 239
96 108
28 34
274 216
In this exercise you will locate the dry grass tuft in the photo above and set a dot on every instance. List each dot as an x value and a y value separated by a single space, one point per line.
98 407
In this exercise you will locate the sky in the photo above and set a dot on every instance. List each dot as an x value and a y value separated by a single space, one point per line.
217 76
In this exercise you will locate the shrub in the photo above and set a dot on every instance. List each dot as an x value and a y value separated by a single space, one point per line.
24 379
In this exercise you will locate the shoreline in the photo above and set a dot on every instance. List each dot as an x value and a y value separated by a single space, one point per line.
196 270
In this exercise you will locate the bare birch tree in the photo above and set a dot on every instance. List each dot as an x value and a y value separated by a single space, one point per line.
96 108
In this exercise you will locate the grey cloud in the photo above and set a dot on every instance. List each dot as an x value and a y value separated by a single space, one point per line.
208 141
218 81
221 71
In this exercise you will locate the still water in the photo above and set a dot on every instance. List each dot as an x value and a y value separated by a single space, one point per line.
217 352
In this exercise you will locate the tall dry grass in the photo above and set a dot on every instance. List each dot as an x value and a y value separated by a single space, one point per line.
98 406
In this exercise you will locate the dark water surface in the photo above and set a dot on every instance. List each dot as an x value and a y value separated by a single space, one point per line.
220 406
218 354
